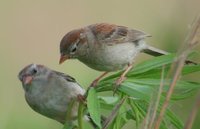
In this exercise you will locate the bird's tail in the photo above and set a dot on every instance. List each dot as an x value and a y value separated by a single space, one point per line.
158 52
154 51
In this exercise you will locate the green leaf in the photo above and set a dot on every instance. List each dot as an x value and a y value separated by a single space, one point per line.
145 66
183 94
141 83
136 112
141 88
109 100
190 69
181 84
183 89
136 90
174 119
153 63
94 106
153 73
156 73
108 122
69 125
120 119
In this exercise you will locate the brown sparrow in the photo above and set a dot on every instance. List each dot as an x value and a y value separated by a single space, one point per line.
50 93
106 47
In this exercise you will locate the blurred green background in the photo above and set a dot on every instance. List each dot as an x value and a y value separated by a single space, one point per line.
30 32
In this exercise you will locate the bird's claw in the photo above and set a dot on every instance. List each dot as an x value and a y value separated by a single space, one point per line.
81 98
94 83
118 83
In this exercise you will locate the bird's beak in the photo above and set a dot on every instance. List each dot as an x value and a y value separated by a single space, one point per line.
27 80
63 58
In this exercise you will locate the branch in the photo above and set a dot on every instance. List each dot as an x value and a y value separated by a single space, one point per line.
192 116
113 113
191 40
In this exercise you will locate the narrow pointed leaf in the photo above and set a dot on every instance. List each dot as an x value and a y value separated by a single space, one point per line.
94 107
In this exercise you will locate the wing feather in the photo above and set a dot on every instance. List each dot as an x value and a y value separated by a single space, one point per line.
111 34
65 76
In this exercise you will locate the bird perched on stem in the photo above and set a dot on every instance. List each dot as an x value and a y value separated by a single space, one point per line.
106 47
51 93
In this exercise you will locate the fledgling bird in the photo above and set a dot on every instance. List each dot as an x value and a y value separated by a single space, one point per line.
106 47
50 93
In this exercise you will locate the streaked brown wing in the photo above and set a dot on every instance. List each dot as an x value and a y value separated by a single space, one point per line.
110 33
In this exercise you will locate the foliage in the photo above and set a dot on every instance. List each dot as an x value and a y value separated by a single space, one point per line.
141 88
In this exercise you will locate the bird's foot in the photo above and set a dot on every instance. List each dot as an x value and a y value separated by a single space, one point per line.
94 83
118 83
81 98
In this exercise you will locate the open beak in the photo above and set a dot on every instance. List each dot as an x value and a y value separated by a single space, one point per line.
63 58
27 80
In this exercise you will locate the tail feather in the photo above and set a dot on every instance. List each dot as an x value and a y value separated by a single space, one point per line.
158 52
154 51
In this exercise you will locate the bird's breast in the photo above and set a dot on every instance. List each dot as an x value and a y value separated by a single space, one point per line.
110 57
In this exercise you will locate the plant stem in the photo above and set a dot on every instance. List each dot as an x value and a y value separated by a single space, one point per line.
80 115
113 113
191 40
158 98
188 124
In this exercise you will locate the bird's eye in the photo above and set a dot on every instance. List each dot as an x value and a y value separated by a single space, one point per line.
73 49
34 71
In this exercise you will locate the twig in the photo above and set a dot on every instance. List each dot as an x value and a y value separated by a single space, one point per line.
191 41
188 124
178 69
152 110
80 115
113 114
158 98
147 118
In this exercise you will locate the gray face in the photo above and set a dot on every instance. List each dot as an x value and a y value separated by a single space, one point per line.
31 72
28 70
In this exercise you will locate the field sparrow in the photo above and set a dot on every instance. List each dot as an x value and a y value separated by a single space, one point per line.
106 47
49 92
